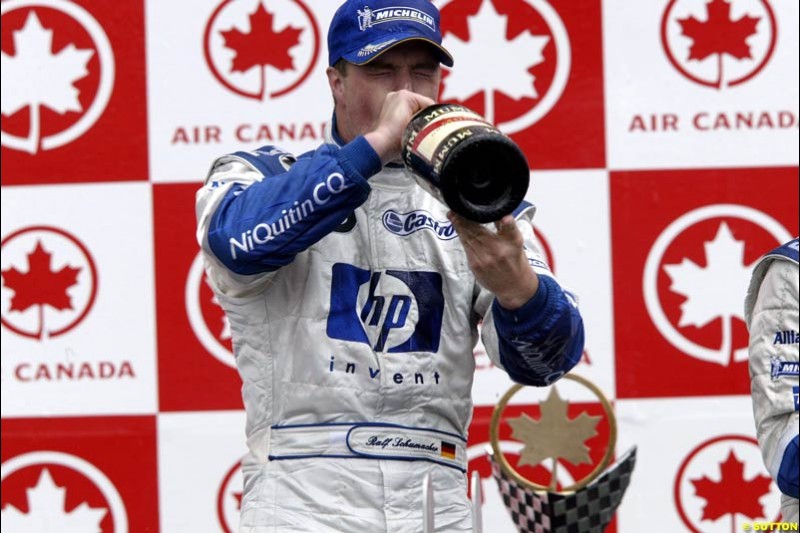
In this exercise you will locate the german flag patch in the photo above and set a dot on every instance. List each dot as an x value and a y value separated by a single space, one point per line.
448 450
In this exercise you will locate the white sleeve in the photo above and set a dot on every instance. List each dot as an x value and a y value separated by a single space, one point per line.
226 172
773 325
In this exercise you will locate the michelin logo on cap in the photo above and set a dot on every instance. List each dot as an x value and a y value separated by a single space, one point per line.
369 18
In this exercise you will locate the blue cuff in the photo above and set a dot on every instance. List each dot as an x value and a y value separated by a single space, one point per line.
542 340
358 157
529 311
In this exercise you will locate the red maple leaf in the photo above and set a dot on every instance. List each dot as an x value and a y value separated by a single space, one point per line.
40 285
732 494
262 46
719 34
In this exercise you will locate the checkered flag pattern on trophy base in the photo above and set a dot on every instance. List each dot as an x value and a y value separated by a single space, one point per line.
589 510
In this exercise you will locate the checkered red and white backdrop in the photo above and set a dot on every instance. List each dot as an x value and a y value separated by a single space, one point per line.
663 142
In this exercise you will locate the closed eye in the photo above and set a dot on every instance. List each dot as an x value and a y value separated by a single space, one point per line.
379 72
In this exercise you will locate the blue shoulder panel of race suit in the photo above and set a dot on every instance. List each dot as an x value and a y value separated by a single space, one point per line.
790 250
269 160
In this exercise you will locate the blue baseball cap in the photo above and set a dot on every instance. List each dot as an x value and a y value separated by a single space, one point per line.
361 30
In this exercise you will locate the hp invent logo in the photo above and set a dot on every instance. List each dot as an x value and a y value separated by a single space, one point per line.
393 311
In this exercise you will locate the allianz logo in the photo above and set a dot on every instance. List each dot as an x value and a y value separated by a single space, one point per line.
405 224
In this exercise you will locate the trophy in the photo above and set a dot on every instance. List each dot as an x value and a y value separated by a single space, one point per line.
582 505
465 162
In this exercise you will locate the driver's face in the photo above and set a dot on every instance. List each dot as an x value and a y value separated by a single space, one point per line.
359 94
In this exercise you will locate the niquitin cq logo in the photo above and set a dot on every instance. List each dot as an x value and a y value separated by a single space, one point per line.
264 232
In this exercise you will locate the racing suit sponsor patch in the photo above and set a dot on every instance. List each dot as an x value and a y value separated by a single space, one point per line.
387 310
266 231
370 17
781 368
786 337
404 224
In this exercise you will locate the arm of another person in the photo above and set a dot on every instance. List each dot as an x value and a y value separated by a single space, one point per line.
773 377
531 326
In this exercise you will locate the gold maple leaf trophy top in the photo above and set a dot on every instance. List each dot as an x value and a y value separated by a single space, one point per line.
555 436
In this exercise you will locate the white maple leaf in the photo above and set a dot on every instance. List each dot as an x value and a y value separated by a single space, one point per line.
716 290
711 291
46 512
36 77
500 64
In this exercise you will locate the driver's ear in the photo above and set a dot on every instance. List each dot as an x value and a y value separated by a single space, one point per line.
336 83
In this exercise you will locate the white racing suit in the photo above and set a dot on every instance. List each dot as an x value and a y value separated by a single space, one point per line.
771 312
353 314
